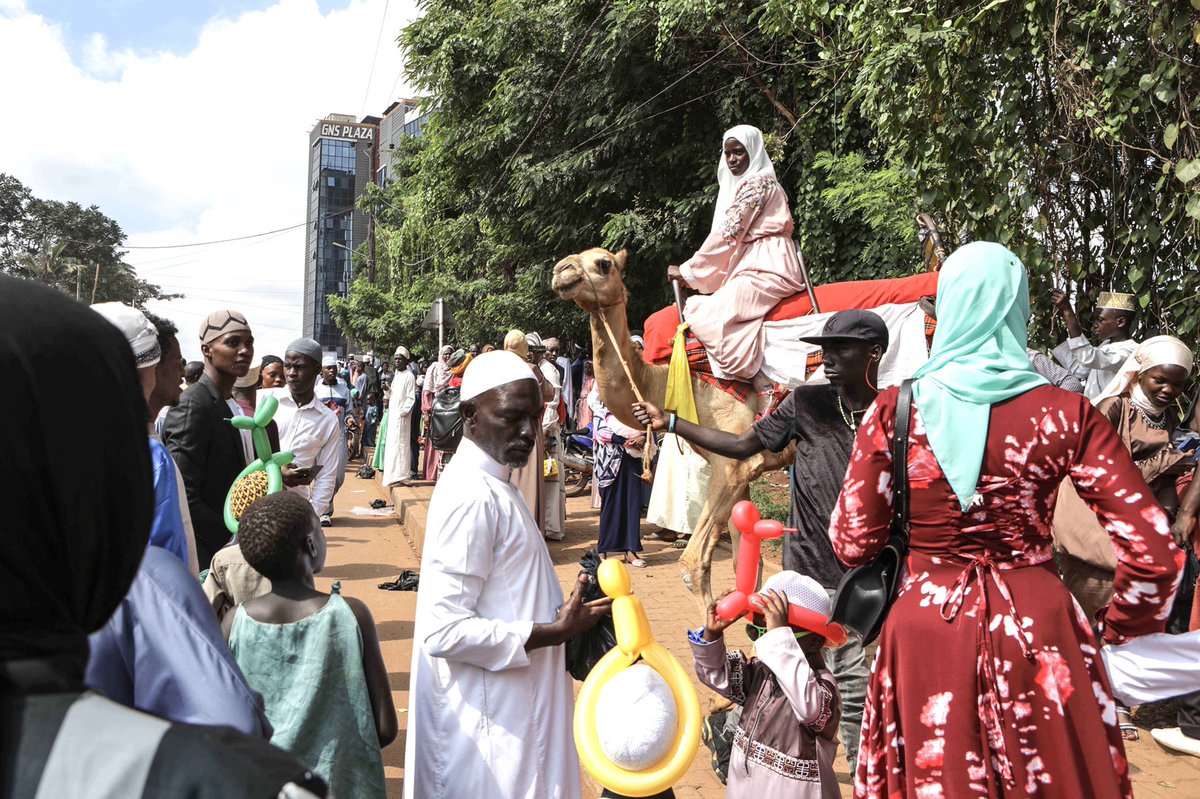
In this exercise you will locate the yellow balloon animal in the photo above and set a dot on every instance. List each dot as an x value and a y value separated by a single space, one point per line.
634 641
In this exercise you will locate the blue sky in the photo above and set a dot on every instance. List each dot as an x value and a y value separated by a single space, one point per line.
187 122
146 26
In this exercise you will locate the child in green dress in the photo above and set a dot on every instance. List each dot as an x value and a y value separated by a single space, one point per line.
314 657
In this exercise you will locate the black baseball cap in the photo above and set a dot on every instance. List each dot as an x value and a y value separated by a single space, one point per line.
854 324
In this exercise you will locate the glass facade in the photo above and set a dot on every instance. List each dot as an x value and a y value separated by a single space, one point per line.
334 230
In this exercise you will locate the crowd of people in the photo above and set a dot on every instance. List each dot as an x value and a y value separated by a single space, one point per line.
156 642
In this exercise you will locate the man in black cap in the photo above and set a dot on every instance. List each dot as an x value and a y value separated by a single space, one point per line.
822 420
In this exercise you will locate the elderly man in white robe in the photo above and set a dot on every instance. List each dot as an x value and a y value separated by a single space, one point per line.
491 702
397 452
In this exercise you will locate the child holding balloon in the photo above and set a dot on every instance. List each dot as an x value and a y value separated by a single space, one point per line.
787 738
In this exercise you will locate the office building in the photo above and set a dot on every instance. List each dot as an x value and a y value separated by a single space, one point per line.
345 155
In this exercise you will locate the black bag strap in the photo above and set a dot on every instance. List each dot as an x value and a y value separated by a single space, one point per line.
900 503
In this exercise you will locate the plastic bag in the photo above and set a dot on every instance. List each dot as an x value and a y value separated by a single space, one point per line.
584 651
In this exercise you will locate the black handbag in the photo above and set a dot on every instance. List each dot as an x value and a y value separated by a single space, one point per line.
446 426
865 593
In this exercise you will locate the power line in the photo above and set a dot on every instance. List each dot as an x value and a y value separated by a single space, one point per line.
345 210
371 75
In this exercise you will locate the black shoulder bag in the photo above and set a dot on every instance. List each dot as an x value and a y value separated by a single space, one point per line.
865 594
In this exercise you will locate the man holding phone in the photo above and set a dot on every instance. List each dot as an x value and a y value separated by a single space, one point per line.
308 429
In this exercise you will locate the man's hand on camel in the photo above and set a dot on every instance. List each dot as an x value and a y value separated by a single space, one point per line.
647 414
673 273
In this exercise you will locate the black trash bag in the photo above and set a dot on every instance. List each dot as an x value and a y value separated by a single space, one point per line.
584 651
366 473
446 427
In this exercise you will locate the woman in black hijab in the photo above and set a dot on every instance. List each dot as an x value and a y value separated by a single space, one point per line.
76 477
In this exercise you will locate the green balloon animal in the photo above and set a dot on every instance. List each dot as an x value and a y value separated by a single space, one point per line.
264 475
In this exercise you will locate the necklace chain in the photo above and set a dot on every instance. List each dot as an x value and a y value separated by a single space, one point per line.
848 418
1151 422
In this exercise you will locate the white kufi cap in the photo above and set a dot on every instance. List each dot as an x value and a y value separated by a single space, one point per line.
491 370
636 718
133 324
800 590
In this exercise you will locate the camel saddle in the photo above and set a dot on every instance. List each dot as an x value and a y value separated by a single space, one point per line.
865 294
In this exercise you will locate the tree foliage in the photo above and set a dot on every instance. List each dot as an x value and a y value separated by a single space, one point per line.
1062 129
65 245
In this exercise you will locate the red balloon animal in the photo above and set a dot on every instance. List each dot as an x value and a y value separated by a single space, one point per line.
754 530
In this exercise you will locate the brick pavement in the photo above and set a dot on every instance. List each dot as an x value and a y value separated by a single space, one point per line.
364 551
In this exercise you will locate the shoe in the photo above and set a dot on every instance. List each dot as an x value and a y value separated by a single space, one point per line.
326 520
407 581
637 563
1173 738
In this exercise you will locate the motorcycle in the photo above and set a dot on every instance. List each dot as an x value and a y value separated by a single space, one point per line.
577 459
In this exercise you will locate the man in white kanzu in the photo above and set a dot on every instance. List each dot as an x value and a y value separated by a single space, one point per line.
1096 365
308 429
491 702
397 451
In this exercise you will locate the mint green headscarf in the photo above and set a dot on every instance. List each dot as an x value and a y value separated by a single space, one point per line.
978 358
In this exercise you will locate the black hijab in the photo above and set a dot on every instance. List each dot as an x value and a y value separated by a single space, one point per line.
74 473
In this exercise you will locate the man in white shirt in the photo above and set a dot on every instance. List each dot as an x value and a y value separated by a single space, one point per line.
308 429
397 450
491 704
1096 365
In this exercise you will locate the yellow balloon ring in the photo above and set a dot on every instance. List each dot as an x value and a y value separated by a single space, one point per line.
634 642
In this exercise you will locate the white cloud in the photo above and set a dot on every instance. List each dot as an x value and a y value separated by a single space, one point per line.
207 145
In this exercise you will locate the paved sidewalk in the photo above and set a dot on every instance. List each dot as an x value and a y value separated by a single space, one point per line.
365 551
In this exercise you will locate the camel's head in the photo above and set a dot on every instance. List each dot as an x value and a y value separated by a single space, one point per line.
591 279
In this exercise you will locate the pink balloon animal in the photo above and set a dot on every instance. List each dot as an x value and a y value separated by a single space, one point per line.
754 530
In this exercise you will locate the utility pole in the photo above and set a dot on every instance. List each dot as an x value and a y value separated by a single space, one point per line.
78 281
95 284
441 324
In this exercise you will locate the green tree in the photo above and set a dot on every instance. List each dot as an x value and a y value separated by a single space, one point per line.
65 245
563 126
1062 129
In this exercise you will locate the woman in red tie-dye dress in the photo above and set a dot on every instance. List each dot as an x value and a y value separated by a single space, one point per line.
988 682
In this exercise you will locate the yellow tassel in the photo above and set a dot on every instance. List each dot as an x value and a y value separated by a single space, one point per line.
680 399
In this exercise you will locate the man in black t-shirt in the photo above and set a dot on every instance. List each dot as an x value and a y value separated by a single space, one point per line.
822 420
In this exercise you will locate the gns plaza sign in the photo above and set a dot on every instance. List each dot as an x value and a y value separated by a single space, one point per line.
361 132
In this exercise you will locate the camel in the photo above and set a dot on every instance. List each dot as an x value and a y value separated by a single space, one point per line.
592 280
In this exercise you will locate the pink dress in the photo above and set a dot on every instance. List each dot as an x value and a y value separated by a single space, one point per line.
742 270
988 682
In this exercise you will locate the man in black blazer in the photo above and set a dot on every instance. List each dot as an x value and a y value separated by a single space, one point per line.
210 452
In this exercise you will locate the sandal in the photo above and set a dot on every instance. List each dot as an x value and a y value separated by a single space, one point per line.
670 536
1129 730
636 563
681 542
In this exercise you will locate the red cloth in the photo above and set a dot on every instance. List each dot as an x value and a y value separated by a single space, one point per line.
1017 683
660 326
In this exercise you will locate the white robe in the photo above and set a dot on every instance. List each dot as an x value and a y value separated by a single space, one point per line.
1095 365
397 450
486 718
680 487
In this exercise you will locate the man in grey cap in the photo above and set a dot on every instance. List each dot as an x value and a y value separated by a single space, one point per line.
822 420
308 429
209 451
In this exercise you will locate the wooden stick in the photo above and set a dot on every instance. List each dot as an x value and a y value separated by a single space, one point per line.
647 475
